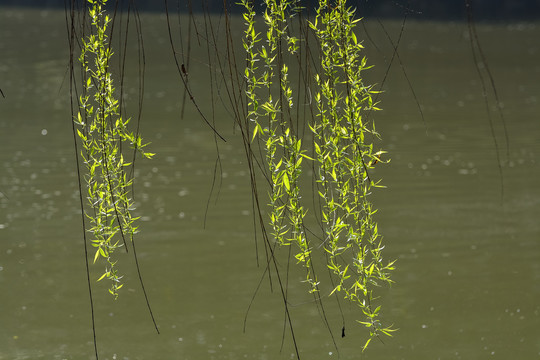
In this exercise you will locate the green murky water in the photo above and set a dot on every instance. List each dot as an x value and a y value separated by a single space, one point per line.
468 270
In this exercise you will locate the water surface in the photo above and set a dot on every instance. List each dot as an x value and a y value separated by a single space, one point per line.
468 274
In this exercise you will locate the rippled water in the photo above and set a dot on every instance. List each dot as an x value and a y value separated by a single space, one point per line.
468 269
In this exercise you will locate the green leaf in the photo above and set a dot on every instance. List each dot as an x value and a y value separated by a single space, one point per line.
96 255
81 135
103 276
255 130
353 35
366 344
286 181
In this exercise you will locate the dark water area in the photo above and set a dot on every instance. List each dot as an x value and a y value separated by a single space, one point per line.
467 281
500 10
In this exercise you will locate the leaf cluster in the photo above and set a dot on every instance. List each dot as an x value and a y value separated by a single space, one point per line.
103 133
343 150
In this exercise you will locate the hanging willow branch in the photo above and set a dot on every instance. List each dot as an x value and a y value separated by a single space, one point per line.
343 154
103 132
